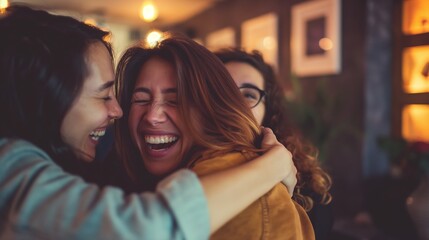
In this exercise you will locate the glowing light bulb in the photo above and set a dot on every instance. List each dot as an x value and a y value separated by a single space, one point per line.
148 11
326 44
153 38
268 43
3 5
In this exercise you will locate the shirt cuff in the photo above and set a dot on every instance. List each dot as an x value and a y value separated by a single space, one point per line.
185 196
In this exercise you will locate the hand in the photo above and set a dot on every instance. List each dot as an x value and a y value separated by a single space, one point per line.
275 148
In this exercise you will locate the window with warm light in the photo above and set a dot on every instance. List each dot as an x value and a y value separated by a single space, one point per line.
415 16
415 69
415 126
410 110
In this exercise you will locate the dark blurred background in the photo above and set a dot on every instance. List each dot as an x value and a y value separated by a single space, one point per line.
356 77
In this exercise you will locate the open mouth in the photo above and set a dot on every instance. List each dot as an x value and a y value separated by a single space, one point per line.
96 134
159 143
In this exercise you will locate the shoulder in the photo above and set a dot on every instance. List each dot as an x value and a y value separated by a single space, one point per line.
19 156
16 148
206 164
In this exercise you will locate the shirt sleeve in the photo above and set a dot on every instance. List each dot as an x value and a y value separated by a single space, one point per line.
40 201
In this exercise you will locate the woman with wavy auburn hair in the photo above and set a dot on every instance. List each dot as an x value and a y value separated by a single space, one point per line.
256 81
179 102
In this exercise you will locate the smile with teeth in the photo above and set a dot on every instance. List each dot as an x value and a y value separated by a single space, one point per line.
160 142
96 134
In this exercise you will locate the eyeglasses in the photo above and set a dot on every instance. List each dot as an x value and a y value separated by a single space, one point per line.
252 95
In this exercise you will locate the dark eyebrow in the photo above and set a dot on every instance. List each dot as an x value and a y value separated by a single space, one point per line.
170 90
141 89
248 85
106 85
146 90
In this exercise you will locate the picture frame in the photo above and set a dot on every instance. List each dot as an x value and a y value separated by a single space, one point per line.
222 38
316 38
261 33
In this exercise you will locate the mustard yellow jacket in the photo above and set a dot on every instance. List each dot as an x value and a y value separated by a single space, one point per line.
273 216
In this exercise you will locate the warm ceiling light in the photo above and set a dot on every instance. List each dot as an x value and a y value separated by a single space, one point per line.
3 5
148 11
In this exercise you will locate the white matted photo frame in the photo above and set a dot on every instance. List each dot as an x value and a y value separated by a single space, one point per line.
316 38
261 33
222 38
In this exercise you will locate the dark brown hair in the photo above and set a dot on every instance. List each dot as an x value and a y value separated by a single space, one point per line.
43 67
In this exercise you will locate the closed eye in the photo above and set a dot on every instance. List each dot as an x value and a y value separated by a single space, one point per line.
140 101
141 98
108 98
171 102
250 95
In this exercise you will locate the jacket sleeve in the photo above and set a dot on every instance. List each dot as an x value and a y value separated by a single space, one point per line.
39 200
273 216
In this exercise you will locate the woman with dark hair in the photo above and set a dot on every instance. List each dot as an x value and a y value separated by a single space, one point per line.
265 97
56 100
182 108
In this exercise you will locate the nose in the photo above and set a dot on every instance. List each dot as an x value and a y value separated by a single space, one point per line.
155 114
115 111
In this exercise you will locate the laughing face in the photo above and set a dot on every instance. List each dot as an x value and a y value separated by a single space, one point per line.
154 121
94 108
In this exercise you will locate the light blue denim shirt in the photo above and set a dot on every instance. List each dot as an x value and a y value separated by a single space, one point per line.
38 200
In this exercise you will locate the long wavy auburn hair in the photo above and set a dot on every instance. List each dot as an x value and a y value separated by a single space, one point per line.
313 182
203 84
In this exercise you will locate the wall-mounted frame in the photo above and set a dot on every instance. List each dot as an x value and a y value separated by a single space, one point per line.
222 38
316 38
415 17
260 33
415 69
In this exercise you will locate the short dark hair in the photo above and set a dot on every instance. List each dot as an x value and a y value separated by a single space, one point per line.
43 67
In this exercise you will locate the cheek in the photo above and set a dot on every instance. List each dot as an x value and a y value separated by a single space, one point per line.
133 121
72 132
77 135
131 117
66 135
196 122
259 113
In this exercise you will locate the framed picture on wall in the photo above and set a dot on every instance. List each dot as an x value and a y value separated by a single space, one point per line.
222 38
316 38
260 33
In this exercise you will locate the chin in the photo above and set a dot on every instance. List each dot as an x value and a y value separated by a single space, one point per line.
161 170
87 156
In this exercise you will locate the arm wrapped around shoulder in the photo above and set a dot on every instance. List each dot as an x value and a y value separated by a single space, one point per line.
273 216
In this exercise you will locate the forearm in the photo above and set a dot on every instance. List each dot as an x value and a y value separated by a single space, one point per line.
230 191
38 199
